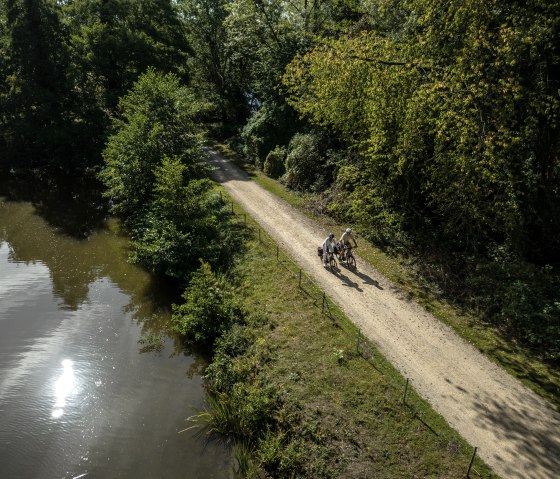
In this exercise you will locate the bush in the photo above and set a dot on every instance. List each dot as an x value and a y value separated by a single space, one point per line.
274 163
269 126
228 365
243 414
183 223
306 163
520 298
209 310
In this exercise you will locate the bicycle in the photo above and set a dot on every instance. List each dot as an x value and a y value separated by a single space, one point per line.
331 260
348 256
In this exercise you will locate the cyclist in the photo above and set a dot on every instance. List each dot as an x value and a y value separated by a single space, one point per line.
329 246
345 239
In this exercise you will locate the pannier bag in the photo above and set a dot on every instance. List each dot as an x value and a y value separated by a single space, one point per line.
319 251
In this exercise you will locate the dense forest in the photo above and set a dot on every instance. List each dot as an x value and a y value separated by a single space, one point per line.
432 126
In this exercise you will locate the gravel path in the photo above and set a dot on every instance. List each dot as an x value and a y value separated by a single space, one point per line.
517 432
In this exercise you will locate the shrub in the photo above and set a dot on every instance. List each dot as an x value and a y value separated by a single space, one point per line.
520 298
184 222
269 126
243 414
209 310
228 365
274 163
306 163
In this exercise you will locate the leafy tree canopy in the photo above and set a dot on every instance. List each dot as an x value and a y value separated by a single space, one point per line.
154 123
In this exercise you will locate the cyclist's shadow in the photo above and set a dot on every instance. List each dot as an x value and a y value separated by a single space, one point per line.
367 279
364 277
346 281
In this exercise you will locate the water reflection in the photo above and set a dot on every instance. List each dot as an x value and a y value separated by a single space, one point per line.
64 387
75 264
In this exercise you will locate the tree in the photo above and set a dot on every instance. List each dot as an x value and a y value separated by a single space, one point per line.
155 176
214 71
183 224
155 122
449 114
453 108
113 42
36 91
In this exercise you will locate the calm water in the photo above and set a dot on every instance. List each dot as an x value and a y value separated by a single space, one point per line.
84 389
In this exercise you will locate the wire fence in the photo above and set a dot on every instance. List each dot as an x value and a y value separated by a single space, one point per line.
364 347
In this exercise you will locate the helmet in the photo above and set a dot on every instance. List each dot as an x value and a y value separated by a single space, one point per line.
331 235
348 230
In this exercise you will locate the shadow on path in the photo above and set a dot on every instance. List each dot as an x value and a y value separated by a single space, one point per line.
367 279
224 170
346 281
535 445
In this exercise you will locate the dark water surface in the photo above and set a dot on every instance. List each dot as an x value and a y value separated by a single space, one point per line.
84 389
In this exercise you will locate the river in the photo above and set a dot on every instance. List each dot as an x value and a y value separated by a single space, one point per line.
90 384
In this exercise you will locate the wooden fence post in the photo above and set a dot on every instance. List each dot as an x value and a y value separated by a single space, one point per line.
472 460
277 251
300 278
232 207
405 390
323 306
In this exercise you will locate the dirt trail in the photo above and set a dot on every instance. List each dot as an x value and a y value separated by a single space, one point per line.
516 431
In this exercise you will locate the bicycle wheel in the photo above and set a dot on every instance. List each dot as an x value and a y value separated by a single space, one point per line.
332 262
351 261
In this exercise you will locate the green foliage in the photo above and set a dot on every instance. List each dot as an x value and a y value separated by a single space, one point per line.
274 163
242 414
36 95
243 407
454 113
280 455
155 122
245 464
183 224
339 355
63 67
209 310
268 127
306 163
227 366
154 165
521 297
115 42
445 139
215 71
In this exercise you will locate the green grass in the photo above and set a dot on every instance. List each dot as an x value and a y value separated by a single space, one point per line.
518 361
350 417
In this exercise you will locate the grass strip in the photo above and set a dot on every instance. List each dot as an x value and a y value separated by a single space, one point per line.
517 360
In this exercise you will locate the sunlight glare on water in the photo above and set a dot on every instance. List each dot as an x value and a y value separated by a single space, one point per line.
63 388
